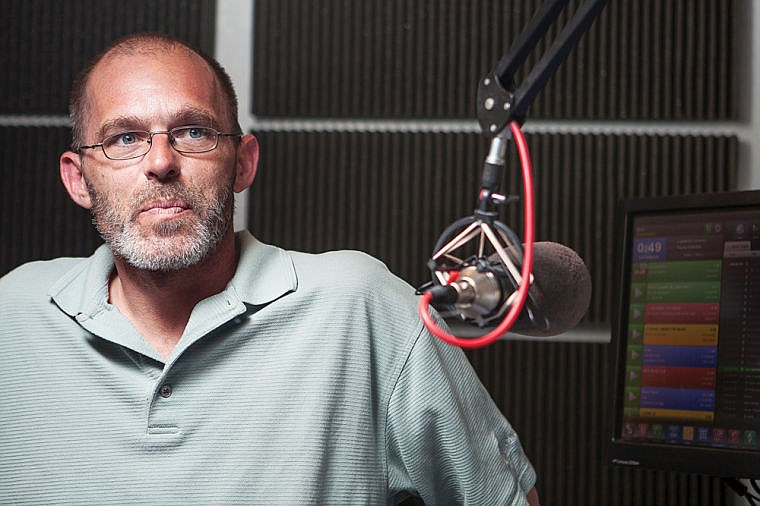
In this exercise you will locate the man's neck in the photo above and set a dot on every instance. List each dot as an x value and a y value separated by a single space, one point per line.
159 303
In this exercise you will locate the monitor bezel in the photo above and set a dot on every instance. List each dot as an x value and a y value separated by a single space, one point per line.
721 462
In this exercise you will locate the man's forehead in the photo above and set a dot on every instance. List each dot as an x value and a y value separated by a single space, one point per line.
172 71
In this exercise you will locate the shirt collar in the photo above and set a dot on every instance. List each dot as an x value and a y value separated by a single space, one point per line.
264 273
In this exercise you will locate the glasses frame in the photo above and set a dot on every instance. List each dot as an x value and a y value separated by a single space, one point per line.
172 141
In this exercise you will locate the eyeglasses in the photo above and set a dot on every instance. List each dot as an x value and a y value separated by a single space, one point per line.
136 143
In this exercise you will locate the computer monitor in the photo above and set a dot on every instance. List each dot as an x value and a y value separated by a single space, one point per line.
686 335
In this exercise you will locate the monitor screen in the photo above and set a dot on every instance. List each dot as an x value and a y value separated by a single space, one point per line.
686 335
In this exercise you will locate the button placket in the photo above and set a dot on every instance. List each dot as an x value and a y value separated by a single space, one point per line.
163 428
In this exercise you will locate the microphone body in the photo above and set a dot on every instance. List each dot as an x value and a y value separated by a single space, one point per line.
558 298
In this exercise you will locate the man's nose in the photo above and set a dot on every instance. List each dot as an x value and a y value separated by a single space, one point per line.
162 159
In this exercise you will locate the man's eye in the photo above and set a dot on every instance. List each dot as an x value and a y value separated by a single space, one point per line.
126 138
192 133
122 139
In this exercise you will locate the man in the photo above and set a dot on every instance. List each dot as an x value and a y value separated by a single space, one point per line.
184 363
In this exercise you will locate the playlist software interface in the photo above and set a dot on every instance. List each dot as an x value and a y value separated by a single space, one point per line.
693 331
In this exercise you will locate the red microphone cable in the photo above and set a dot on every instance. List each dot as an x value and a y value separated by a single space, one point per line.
527 266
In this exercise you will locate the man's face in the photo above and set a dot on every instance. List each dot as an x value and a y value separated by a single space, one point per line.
165 210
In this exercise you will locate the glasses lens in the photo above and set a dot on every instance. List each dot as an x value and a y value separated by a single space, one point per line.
194 139
126 145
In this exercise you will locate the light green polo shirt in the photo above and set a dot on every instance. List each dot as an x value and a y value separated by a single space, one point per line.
309 380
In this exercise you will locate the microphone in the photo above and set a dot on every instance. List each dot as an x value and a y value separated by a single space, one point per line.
480 287
558 297
482 274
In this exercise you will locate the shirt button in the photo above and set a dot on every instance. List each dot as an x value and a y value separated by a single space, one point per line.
165 390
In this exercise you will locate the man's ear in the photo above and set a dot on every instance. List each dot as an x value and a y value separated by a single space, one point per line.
247 162
73 179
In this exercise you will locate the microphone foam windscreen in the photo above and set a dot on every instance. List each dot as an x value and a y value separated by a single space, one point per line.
564 285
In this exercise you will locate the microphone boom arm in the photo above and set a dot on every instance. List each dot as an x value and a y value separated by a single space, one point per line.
499 100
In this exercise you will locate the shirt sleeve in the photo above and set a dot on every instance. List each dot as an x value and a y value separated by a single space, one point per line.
447 441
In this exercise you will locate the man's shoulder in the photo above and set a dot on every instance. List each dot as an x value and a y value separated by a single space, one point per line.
346 268
341 260
353 279
39 274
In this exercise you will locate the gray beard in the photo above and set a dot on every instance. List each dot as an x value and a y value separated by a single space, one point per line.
175 244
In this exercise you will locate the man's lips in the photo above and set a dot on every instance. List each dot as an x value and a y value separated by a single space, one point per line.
165 207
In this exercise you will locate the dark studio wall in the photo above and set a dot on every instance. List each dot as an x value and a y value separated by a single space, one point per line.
391 190
337 88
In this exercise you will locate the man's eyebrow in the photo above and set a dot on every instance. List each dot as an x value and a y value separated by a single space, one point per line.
194 116
120 124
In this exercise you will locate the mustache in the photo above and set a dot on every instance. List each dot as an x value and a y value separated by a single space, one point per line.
175 192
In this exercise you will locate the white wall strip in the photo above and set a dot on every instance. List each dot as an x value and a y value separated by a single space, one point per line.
29 120
251 123
749 59
233 49
471 126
